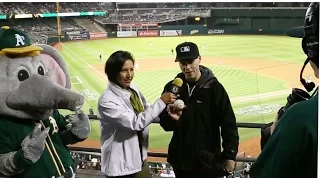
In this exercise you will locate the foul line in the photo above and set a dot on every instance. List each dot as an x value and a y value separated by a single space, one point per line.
102 75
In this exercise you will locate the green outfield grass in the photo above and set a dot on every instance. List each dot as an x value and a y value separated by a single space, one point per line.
91 81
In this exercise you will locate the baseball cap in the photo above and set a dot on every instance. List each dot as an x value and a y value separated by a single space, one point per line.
311 23
14 41
297 32
187 51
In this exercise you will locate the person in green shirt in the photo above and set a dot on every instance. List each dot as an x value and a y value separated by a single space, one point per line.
292 149
34 85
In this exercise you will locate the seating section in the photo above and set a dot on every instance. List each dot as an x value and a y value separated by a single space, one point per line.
48 7
116 13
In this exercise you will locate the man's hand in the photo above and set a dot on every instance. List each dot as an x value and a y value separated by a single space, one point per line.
173 112
168 97
214 164
229 165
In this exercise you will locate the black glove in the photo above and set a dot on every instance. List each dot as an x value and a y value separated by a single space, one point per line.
212 164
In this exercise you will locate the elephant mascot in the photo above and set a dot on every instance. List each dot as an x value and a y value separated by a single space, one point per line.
34 84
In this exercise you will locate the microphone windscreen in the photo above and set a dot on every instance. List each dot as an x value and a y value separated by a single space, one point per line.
177 82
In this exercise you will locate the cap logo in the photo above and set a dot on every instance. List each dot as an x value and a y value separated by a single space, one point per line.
312 43
20 40
185 49
309 17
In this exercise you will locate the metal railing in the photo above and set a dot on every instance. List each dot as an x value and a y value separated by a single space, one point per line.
165 155
241 170
86 150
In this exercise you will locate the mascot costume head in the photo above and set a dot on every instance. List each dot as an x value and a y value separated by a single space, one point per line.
34 84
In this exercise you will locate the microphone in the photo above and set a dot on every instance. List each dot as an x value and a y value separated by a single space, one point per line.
176 84
308 86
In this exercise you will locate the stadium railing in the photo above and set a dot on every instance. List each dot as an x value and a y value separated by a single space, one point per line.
97 153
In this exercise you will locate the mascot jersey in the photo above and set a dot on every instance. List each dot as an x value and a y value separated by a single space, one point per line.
56 156
34 85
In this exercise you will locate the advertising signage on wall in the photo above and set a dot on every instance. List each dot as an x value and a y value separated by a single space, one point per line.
74 37
126 33
98 35
170 32
73 32
149 33
216 31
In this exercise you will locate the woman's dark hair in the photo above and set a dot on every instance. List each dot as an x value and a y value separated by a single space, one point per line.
114 64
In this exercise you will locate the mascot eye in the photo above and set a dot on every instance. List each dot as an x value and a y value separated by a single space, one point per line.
23 75
41 70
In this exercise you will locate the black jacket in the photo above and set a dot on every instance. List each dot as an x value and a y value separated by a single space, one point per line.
208 109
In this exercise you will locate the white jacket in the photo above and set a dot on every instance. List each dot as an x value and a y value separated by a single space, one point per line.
120 153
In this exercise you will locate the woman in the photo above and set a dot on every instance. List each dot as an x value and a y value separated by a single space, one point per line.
124 118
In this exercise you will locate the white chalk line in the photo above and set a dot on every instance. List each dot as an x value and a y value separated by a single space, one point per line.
102 75
78 80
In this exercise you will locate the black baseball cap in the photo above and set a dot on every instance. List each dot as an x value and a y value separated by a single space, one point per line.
311 23
187 51
297 32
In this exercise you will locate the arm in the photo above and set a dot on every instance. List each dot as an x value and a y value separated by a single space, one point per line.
280 156
146 105
229 130
112 112
11 159
15 160
166 122
74 129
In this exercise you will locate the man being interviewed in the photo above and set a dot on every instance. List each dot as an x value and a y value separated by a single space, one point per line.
196 129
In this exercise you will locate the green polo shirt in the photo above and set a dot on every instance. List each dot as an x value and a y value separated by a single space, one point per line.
291 151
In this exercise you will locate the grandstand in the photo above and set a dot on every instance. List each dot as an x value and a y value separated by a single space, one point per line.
116 13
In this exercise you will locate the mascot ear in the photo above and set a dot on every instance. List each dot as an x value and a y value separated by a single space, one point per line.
53 61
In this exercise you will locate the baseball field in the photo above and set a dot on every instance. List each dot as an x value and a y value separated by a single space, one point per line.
258 73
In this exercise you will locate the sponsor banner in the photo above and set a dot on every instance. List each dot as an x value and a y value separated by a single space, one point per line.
126 33
98 35
170 32
216 31
149 33
73 32
74 37
196 31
